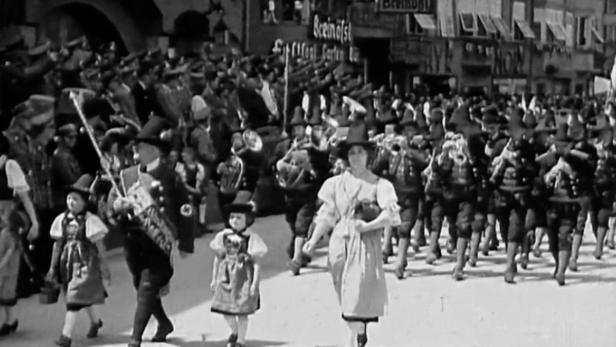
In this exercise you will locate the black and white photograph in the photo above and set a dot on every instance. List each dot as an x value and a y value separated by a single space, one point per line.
307 173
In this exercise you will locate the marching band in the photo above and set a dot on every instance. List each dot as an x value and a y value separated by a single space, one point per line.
475 165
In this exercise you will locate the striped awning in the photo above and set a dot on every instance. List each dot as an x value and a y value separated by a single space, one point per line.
557 30
425 21
525 29
487 23
502 27
597 35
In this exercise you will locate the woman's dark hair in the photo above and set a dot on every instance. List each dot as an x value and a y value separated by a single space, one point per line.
370 150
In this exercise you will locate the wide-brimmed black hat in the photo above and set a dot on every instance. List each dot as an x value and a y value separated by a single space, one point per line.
357 136
82 185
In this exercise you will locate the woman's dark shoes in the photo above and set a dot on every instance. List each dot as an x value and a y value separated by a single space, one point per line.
94 327
63 341
162 332
611 244
362 340
7 329
134 344
560 278
232 340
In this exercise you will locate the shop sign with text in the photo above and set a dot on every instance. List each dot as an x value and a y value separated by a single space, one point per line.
327 29
316 51
406 6
432 57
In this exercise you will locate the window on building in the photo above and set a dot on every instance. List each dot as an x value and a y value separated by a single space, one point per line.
296 11
468 24
581 37
610 33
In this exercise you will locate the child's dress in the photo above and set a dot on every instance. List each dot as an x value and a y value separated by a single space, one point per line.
9 273
236 253
79 270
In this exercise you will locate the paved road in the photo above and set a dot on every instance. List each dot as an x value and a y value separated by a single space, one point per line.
428 309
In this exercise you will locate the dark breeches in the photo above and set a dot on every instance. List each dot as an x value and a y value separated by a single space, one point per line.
299 216
151 270
601 207
409 212
511 209
562 218
585 207
459 212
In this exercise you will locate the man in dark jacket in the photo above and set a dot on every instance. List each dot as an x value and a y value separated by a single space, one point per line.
154 211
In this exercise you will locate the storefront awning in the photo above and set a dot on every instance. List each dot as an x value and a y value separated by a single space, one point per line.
469 22
425 21
487 23
597 36
525 28
558 31
502 27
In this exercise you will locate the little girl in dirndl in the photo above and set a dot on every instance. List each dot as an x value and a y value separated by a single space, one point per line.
78 262
236 271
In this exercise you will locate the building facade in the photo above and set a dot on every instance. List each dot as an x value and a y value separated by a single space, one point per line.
476 46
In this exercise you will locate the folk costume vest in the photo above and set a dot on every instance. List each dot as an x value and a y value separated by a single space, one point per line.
139 187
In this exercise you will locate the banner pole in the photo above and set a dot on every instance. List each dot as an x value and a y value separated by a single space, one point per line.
286 88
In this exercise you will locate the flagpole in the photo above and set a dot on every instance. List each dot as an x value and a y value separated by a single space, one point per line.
286 88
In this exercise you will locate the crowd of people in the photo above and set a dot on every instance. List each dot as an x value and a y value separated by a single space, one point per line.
94 142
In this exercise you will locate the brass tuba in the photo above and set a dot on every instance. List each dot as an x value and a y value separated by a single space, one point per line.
290 175
232 171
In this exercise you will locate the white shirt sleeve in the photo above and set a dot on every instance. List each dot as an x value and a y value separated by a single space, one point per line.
15 177
56 227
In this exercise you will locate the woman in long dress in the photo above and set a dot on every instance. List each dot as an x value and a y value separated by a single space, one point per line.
357 204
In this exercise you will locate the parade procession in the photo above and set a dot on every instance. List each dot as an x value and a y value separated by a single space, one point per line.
158 187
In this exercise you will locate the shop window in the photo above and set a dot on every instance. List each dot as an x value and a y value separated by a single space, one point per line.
468 24
579 88
295 11
412 25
